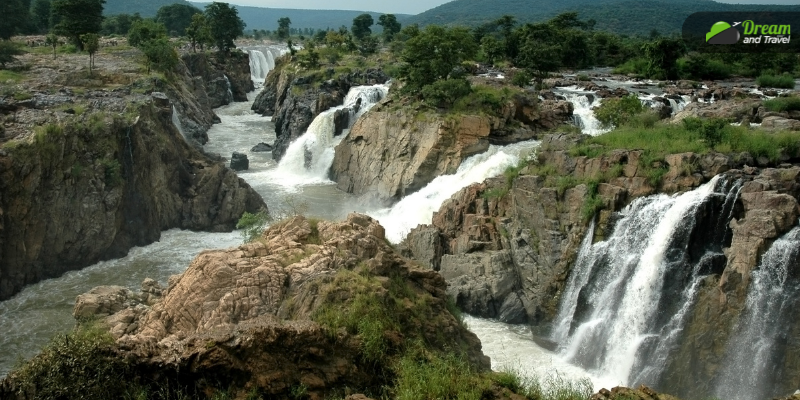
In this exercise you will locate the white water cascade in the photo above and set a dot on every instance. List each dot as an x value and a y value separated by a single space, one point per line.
418 207
230 92
308 159
177 122
625 302
262 60
749 370
583 103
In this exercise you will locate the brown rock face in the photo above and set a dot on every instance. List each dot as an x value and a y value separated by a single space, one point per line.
247 315
90 195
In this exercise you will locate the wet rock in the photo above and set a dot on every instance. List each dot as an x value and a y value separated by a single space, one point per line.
160 99
239 162
261 147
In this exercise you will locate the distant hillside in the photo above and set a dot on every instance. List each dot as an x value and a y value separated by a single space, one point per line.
146 8
267 18
621 16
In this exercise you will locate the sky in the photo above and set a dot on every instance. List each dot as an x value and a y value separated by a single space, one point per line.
402 6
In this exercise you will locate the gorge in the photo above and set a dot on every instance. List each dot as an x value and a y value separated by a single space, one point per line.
665 284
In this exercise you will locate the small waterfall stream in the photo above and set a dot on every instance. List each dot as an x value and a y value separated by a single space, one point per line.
750 368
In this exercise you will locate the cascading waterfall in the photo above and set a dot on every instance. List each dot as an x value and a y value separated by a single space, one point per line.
749 370
230 92
418 207
308 159
262 60
583 103
624 305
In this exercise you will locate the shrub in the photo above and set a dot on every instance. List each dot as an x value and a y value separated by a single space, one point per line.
522 79
615 112
446 92
785 81
783 104
583 77
252 225
635 66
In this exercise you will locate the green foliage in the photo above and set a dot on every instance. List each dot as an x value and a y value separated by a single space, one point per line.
52 41
112 172
176 17
361 26
145 30
78 365
8 52
15 17
160 54
253 225
583 78
433 54
390 26
702 66
224 25
40 15
785 81
77 17
521 79
618 111
783 104
283 27
119 24
198 32
92 44
422 376
368 45
662 55
443 93
636 66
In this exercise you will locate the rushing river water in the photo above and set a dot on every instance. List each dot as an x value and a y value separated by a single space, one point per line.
40 311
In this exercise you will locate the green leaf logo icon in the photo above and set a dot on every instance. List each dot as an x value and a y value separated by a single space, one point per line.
722 33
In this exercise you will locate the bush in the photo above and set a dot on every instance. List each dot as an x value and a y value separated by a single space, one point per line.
783 104
445 92
785 81
634 66
700 66
253 225
522 79
616 112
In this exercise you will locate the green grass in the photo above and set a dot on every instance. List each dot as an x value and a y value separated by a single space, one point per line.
484 98
7 76
785 81
635 66
783 104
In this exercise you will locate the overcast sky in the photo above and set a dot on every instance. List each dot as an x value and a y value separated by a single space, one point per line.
402 6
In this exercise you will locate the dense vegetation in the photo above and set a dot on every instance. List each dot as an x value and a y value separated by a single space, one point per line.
632 17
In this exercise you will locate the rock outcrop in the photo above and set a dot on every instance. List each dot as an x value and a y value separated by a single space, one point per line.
294 101
96 185
296 307
390 153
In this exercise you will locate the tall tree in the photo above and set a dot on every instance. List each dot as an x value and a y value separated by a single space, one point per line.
92 44
224 25
14 17
40 15
198 32
434 53
361 26
390 26
145 30
283 27
176 17
662 57
77 17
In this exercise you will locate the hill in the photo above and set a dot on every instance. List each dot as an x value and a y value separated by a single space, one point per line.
620 16
146 8
267 18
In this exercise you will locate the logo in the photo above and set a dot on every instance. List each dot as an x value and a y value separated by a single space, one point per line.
723 33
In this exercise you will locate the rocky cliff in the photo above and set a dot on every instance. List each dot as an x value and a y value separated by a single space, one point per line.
391 153
84 177
319 306
294 99
506 248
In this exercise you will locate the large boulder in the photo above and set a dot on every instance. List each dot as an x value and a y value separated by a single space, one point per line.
239 162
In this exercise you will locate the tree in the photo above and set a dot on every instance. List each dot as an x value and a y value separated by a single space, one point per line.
40 15
433 54
390 26
160 54
283 27
77 17
91 42
8 50
198 32
224 25
119 24
539 49
52 41
361 26
14 17
176 17
662 57
145 30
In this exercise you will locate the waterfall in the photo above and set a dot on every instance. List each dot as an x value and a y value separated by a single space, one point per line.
259 66
418 207
230 92
751 367
583 103
308 159
177 122
626 299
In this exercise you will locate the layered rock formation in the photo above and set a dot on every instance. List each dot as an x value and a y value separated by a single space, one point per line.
390 153
95 186
272 315
294 101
